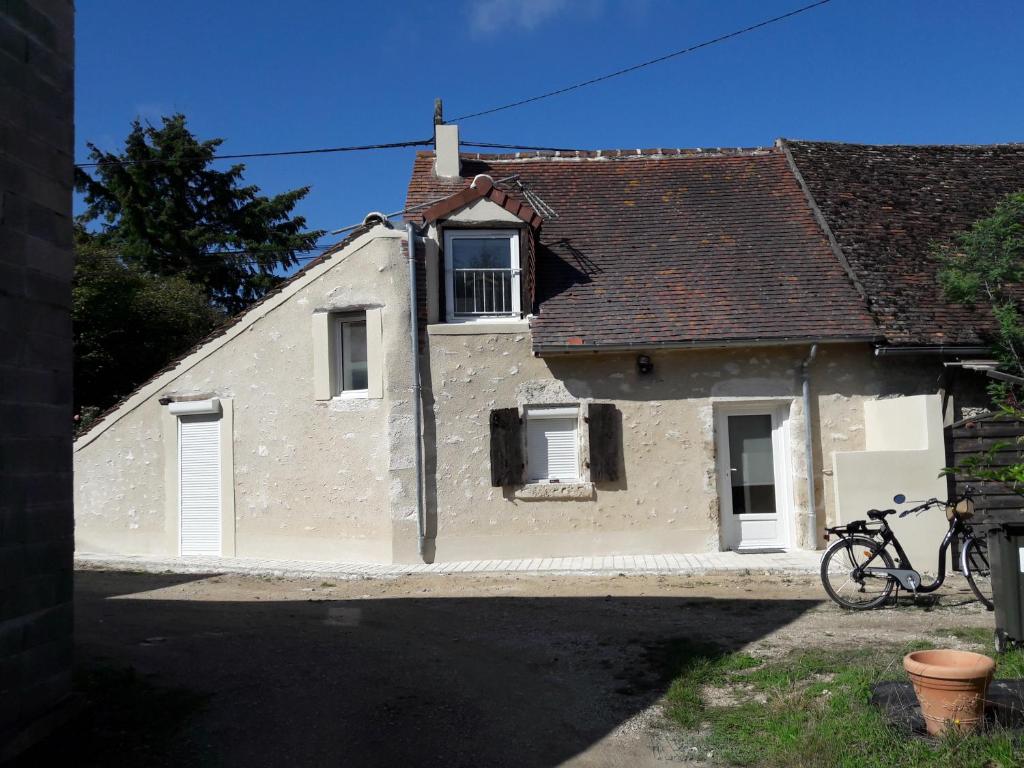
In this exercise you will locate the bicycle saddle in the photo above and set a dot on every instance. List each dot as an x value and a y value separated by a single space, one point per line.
880 514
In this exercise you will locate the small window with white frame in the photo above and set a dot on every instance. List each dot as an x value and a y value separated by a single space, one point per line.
350 355
552 445
482 274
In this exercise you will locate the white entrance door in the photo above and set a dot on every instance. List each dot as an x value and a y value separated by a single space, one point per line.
754 480
199 479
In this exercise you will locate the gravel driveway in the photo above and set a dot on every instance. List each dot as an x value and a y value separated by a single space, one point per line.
480 670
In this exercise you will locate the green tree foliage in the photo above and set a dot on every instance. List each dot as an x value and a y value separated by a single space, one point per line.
985 264
128 323
168 246
162 206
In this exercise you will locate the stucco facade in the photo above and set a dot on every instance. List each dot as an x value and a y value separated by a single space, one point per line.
335 479
303 478
668 499
308 472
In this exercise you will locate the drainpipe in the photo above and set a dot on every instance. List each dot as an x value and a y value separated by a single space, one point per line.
812 507
421 519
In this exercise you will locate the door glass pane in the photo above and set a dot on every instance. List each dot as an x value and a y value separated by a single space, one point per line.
354 356
752 464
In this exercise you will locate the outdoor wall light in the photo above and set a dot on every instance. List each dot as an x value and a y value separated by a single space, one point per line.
644 365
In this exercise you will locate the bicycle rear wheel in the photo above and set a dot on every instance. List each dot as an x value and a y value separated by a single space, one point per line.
974 563
838 564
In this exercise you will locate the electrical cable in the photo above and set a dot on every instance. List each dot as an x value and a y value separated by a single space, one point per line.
283 153
635 67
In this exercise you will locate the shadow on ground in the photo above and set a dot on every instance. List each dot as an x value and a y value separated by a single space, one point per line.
454 681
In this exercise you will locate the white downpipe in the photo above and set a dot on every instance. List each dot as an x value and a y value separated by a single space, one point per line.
812 506
421 520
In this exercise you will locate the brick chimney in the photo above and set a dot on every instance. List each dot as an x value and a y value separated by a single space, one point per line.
446 145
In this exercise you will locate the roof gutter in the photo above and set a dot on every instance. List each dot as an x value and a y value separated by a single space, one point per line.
940 349
639 346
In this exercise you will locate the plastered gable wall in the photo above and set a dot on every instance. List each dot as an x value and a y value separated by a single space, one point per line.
312 479
668 498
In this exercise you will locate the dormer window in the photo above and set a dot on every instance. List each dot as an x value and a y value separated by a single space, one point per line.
481 274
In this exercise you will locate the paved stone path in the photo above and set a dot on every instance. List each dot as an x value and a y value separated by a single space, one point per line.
798 562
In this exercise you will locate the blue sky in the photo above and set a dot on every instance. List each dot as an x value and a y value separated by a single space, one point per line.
266 75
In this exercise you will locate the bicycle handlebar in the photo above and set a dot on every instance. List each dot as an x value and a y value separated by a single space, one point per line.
922 507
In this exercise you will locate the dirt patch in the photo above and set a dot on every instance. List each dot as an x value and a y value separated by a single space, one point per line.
479 669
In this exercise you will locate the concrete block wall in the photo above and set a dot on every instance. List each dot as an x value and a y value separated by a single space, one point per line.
36 260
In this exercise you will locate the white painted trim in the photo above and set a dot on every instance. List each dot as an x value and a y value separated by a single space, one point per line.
535 413
193 407
479 327
512 235
220 485
375 353
257 313
352 394
323 356
556 412
227 479
340 324
170 426
778 409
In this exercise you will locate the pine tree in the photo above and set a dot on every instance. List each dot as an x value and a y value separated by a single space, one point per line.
162 206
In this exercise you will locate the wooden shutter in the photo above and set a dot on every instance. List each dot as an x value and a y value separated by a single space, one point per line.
506 447
199 484
605 427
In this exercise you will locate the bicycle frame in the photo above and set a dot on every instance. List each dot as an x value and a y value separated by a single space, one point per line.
905 571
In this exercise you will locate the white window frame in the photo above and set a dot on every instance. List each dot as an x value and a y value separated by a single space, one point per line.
339 321
553 412
512 235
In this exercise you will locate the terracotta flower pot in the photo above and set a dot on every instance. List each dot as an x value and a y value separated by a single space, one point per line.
951 687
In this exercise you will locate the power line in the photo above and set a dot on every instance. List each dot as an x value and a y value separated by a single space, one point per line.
283 153
635 67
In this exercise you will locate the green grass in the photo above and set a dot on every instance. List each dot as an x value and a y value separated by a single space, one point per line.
974 635
811 709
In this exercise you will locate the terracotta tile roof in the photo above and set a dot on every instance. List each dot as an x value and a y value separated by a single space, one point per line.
887 205
649 247
478 189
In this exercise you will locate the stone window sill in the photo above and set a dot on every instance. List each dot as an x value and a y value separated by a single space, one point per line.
478 328
555 491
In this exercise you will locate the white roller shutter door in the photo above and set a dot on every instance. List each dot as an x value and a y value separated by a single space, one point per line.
552 449
199 484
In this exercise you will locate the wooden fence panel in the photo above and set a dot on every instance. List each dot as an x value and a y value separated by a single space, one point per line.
972 437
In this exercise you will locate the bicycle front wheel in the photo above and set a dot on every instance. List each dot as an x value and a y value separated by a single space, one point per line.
837 574
974 563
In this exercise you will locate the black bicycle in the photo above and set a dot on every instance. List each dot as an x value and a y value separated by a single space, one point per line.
858 571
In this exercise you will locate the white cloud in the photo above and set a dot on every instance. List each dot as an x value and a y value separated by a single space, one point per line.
489 16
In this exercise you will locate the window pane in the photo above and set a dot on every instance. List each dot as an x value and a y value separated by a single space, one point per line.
353 356
481 253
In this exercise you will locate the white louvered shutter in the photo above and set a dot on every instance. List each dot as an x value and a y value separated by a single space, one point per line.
199 484
552 448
